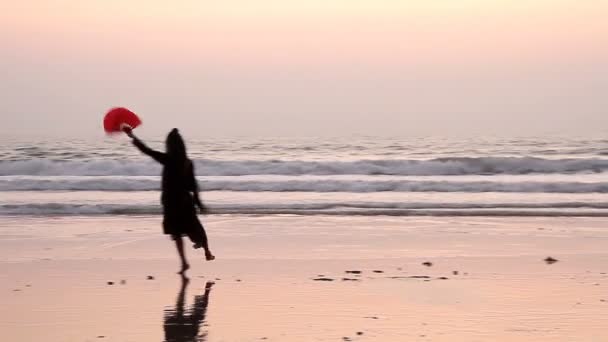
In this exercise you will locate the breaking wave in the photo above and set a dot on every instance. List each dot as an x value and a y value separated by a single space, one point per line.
319 185
438 166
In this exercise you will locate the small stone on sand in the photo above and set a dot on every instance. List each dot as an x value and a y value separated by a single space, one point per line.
110 283
150 277
359 333
353 272
427 263
455 272
378 271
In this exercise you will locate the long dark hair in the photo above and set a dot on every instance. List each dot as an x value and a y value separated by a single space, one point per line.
176 148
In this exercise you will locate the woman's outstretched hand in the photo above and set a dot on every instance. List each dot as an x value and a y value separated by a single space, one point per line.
129 132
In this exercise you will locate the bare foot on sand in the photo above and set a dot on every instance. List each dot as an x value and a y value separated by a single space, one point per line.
209 256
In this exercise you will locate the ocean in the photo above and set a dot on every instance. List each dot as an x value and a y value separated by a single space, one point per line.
347 176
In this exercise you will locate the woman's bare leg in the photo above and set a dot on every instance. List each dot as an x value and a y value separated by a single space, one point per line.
199 238
208 255
179 243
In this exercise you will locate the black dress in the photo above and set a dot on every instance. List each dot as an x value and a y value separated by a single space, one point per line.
178 185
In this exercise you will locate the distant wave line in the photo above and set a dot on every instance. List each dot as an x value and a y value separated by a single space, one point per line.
354 208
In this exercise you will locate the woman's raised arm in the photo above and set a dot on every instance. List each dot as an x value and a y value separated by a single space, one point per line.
156 155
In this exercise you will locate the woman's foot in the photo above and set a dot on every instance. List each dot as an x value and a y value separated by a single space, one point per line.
209 256
185 267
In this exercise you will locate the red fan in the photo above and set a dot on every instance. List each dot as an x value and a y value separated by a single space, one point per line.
118 119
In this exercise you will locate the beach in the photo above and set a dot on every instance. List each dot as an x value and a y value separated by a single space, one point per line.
368 170
306 278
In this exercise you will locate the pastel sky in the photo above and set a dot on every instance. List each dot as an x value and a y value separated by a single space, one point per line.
306 68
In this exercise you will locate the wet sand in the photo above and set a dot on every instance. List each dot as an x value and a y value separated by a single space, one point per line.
284 278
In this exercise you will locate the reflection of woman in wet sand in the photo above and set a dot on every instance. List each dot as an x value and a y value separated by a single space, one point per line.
179 194
182 327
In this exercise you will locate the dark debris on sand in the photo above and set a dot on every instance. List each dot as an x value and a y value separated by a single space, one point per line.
378 271
427 263
110 283
150 277
350 279
323 279
549 260
353 272
410 277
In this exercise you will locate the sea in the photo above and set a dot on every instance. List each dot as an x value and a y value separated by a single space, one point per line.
421 176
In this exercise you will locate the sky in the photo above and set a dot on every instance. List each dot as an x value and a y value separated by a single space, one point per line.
285 68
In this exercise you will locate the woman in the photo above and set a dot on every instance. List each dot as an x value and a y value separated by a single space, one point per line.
179 194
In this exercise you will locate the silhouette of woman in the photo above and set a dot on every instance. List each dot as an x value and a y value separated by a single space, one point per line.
179 194
180 326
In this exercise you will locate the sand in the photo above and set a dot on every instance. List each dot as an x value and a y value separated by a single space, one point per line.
487 281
